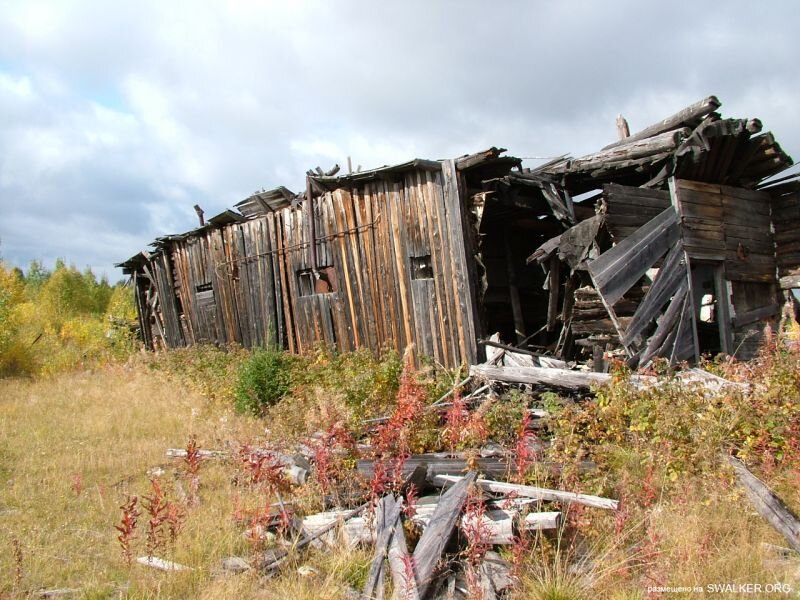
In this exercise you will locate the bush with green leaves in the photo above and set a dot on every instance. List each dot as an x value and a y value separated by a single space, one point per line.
263 380
56 321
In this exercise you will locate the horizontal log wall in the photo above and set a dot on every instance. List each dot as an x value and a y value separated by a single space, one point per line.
628 208
734 226
731 225
786 220
394 250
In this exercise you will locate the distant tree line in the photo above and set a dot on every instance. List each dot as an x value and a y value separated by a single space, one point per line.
60 319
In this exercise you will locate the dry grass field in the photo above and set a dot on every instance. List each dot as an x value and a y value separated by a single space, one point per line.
74 447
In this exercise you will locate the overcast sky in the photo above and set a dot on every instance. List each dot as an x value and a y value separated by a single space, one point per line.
116 118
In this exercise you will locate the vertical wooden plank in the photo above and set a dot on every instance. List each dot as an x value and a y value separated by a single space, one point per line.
281 249
293 250
337 307
400 259
345 314
422 293
356 259
387 271
723 311
361 248
437 341
367 239
439 285
676 202
446 279
466 307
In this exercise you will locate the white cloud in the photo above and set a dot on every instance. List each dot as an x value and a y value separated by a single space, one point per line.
128 113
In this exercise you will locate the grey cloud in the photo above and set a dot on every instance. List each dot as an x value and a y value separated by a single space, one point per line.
208 105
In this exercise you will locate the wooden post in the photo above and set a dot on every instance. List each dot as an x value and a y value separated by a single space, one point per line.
553 284
458 245
311 226
676 202
513 290
622 128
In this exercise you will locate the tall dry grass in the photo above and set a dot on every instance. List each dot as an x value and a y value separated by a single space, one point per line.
73 447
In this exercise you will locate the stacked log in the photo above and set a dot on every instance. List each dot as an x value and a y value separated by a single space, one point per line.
694 143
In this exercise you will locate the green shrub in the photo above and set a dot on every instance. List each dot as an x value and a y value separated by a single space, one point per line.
504 417
262 381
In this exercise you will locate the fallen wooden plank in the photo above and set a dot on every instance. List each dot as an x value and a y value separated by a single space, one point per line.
501 487
401 566
388 516
771 508
273 558
436 464
161 564
443 522
615 271
562 378
354 531
295 473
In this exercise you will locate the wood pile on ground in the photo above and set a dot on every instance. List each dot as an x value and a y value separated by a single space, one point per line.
435 523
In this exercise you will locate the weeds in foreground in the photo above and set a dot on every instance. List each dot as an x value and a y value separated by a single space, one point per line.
127 528
155 505
19 557
192 466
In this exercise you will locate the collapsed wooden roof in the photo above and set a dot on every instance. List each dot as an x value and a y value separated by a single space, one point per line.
684 190
696 143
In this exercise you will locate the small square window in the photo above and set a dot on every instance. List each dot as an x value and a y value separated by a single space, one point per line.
319 281
421 267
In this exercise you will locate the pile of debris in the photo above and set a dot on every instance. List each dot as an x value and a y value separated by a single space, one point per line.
695 143
436 523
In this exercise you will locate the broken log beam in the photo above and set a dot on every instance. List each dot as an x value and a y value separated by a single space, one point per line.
273 558
563 378
630 149
388 519
437 534
689 115
771 508
439 465
501 487
401 566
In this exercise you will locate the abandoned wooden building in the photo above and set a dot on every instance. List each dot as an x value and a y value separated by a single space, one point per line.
671 242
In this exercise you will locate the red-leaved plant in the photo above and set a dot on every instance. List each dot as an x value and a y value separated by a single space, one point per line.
192 465
127 527
478 537
524 456
328 450
462 427
392 441
263 469
175 517
156 507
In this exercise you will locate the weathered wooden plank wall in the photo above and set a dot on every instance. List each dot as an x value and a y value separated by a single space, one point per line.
785 201
392 249
732 226
166 318
628 208
728 224
400 278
